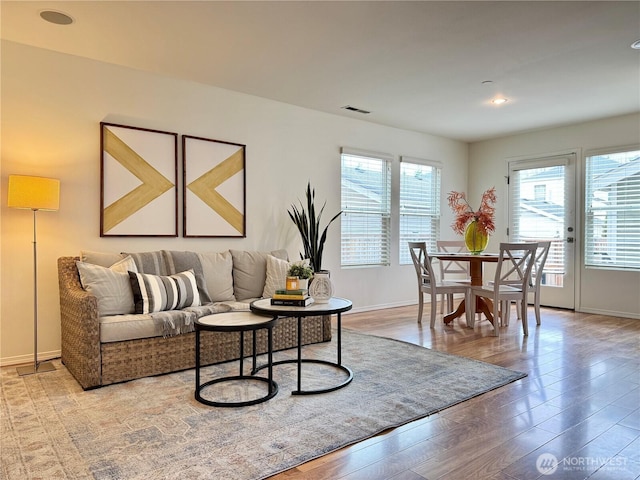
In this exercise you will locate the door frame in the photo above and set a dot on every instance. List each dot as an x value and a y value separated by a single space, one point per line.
576 195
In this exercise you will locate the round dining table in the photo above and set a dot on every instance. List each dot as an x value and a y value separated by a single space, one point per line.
476 262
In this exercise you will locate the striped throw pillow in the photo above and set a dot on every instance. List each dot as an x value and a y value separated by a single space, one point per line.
155 293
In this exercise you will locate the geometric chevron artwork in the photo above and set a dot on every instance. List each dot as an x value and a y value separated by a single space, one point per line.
213 188
139 195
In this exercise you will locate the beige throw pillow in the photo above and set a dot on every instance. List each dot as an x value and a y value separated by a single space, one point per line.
110 286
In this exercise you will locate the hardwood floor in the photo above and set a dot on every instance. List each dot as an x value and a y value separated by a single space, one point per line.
580 402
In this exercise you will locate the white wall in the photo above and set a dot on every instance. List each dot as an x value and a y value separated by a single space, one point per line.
52 105
611 292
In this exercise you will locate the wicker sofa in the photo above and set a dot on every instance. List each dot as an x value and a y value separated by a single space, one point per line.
100 348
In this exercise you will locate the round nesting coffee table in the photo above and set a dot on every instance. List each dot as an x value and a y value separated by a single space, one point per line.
335 306
237 322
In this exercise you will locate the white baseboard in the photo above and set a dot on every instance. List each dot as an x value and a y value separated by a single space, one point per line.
382 306
370 308
609 313
25 359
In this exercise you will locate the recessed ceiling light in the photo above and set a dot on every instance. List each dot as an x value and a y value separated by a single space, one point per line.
636 45
53 16
499 101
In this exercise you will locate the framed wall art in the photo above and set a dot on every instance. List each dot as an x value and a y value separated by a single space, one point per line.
138 170
214 188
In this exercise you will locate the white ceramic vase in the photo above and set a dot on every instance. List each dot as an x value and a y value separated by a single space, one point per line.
321 288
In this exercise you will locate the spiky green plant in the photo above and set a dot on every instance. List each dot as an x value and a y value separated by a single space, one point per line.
308 224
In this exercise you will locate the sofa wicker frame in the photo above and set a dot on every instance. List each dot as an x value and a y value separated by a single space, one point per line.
96 364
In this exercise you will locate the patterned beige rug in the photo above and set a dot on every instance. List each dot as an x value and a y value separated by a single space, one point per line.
154 429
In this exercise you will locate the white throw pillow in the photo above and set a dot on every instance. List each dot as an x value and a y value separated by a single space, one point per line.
110 286
277 274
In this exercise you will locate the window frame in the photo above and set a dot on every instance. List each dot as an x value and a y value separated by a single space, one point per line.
613 258
370 216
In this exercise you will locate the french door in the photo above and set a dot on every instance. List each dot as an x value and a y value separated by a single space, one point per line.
542 207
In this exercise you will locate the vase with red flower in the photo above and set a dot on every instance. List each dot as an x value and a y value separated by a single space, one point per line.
475 225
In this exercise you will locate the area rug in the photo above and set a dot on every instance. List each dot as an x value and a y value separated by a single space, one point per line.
153 428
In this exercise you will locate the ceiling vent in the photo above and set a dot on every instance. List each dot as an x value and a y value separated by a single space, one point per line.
354 109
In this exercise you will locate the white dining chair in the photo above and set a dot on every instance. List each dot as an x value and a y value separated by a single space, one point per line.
457 271
535 280
429 283
511 283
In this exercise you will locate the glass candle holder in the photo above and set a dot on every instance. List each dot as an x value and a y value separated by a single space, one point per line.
292 283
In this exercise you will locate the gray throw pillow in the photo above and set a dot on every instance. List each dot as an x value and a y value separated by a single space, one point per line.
158 293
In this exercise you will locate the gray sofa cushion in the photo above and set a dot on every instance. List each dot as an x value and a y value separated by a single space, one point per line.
118 328
150 262
218 275
104 259
181 262
250 272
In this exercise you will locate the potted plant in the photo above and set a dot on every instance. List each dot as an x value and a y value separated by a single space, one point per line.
308 223
303 272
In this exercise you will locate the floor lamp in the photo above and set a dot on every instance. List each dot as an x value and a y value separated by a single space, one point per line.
34 193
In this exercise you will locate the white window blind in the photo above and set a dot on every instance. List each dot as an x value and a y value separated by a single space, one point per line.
366 208
612 223
419 205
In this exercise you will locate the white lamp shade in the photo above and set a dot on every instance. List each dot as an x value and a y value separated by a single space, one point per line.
34 193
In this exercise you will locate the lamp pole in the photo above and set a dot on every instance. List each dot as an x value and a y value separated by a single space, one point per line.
45 366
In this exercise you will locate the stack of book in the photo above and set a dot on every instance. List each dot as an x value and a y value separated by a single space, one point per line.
291 298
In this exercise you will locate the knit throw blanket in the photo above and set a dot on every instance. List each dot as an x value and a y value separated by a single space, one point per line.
176 322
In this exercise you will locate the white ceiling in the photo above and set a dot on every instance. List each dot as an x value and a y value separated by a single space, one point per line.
414 65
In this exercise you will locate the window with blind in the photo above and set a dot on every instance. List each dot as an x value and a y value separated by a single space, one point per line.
612 210
366 208
419 205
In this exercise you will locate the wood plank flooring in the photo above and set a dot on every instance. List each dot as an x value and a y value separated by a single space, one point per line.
580 405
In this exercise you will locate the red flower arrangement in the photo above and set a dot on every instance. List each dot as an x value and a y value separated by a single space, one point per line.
464 213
